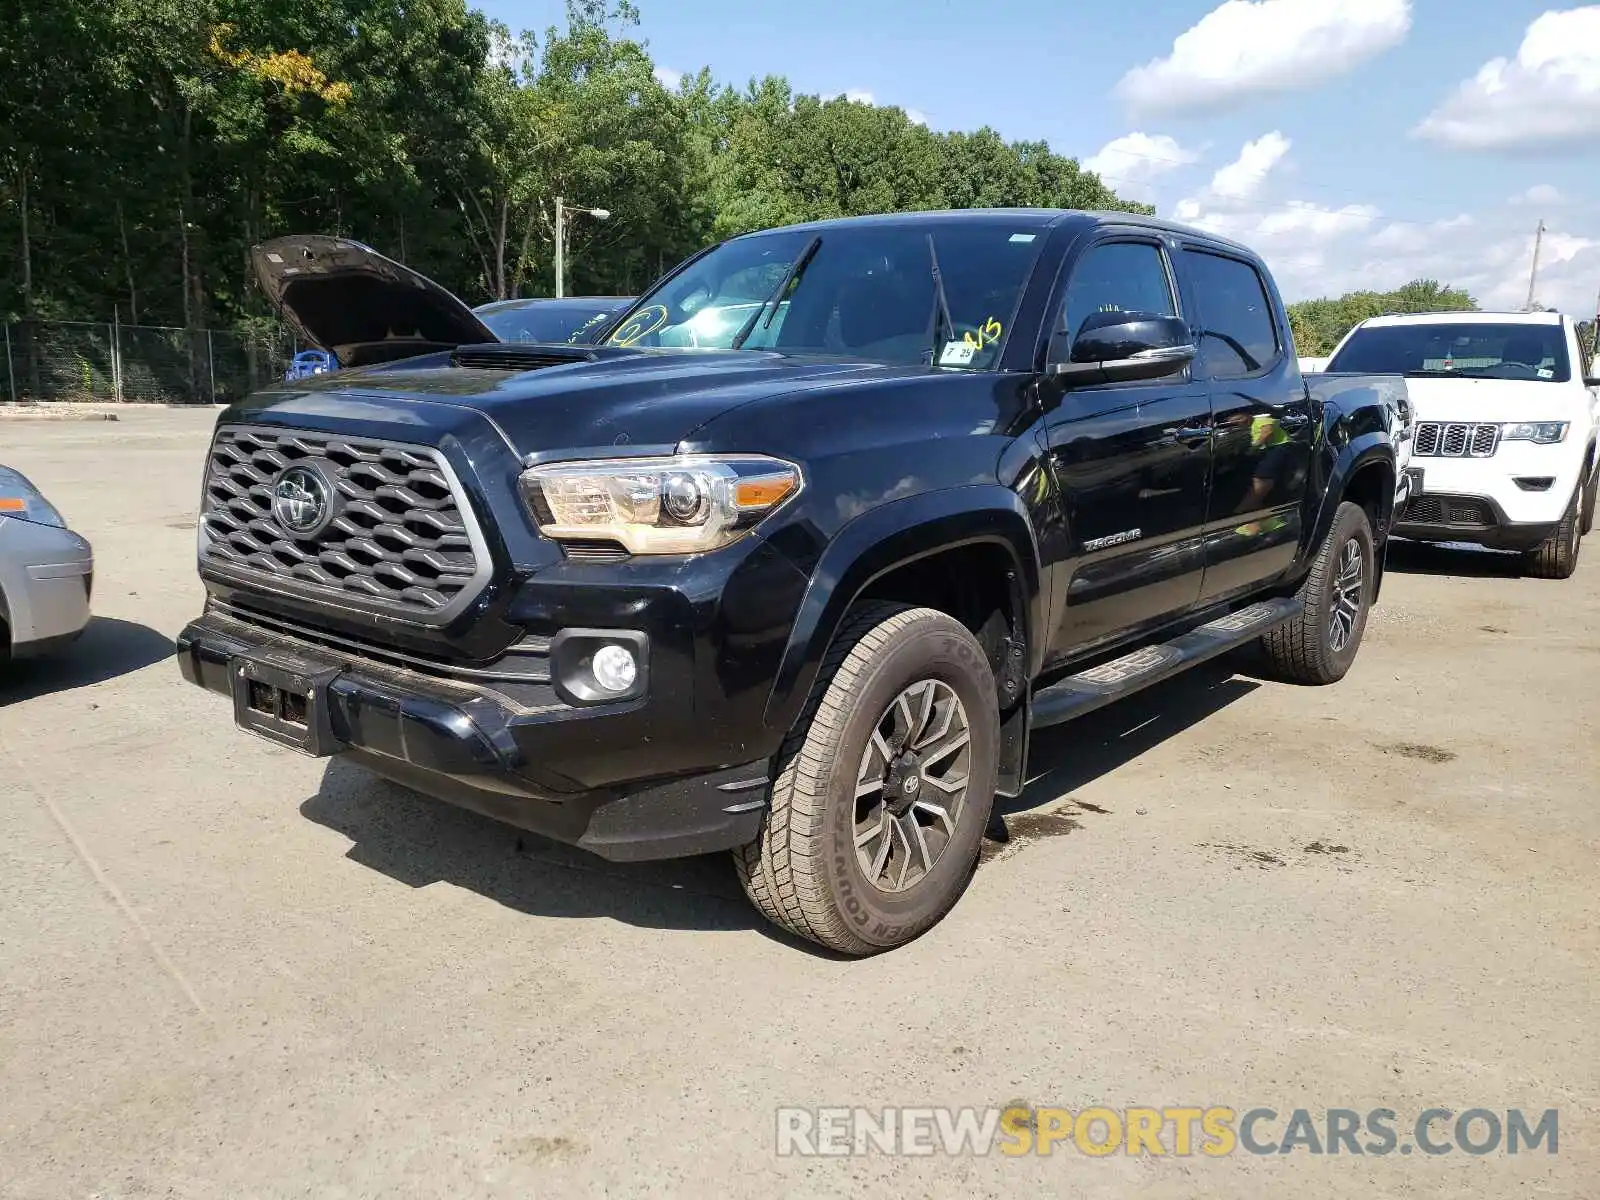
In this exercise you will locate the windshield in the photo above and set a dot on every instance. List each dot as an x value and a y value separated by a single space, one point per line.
1479 350
865 291
548 320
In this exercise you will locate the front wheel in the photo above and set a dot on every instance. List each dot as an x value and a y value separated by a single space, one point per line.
1557 556
884 787
1320 644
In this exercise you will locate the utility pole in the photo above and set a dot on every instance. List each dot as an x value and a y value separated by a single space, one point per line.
599 214
1533 275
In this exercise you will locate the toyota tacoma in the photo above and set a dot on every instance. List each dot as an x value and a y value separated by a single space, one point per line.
792 559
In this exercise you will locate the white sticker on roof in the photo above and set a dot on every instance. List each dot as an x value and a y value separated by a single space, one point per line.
1023 237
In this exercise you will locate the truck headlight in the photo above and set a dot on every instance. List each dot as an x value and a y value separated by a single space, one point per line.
1545 433
685 504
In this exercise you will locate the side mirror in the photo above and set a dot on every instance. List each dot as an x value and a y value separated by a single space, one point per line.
1114 347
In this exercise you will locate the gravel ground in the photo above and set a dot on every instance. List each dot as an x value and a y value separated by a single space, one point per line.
226 970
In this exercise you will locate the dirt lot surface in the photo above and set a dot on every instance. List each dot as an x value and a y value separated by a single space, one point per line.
226 970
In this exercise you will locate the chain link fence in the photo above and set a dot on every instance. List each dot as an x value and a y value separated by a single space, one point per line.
86 361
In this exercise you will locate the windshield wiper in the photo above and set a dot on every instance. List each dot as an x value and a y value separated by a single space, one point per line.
776 299
941 306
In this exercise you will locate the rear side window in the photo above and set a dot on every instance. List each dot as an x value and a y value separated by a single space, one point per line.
1237 335
1117 277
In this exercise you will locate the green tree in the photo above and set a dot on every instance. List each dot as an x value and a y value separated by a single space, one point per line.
1319 325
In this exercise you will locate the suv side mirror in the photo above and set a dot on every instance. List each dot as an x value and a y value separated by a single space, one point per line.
1114 347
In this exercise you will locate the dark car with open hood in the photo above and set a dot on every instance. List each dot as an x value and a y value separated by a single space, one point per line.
793 554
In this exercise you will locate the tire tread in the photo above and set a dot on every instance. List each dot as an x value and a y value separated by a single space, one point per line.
779 869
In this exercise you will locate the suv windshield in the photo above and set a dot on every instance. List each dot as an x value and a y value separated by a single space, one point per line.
1481 350
865 291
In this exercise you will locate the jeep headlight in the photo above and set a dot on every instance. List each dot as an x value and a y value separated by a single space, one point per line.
685 504
1545 433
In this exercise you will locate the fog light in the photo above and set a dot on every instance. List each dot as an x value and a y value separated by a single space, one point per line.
614 668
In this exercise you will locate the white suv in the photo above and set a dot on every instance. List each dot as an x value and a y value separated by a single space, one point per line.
1503 452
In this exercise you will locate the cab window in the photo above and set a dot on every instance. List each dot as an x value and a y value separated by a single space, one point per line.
1117 277
1237 333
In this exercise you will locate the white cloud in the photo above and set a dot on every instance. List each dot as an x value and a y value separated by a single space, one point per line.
1246 48
916 116
1243 177
1548 95
854 95
1540 195
668 78
1133 161
1316 251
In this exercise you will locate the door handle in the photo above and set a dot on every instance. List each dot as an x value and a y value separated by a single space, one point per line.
1189 433
1292 418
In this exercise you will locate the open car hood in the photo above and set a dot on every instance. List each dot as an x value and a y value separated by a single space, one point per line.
347 298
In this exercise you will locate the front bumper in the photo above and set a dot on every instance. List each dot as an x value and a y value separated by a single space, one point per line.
1478 520
469 745
46 583
1511 501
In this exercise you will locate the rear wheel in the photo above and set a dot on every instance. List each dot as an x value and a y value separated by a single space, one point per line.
884 787
1557 556
1319 645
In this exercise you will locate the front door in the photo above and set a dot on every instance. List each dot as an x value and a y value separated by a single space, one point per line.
1131 462
1261 450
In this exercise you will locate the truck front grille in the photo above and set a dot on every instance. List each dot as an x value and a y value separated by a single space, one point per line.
400 538
1435 439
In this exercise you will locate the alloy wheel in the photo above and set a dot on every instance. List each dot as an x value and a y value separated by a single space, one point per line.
911 787
1347 586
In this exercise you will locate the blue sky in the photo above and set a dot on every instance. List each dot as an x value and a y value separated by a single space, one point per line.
1355 143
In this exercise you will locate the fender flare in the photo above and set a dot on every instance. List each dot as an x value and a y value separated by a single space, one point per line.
890 536
1357 456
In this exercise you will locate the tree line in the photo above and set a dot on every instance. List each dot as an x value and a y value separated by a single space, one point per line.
151 143
1318 325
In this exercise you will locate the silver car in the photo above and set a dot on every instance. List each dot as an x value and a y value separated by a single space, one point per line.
46 572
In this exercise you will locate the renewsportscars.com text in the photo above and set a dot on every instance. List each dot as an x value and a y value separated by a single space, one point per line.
1208 1130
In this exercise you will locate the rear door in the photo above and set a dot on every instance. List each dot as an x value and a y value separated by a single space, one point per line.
1130 460
1261 448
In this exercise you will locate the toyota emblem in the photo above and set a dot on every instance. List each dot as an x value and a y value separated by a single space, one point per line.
302 501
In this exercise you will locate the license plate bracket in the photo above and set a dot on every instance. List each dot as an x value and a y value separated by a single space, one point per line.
283 697
1414 474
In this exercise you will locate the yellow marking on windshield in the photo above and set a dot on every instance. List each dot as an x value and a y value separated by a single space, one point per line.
988 334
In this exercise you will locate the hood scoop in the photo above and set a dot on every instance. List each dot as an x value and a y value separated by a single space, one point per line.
511 356
533 356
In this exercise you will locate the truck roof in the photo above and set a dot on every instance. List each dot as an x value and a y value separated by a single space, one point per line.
1466 318
1028 218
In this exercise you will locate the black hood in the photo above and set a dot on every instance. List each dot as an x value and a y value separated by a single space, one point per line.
548 399
365 308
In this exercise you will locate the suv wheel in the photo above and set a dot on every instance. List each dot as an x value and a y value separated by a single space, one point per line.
884 787
1557 556
1320 644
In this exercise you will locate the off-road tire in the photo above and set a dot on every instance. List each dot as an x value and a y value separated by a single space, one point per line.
802 871
1557 556
1303 650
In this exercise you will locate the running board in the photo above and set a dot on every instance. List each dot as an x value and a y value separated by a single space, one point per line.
1088 690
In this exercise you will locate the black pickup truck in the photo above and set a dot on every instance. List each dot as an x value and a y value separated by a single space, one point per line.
792 556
